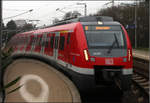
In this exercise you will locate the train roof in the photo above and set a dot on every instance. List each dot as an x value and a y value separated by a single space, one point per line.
71 22
103 23
84 19
59 27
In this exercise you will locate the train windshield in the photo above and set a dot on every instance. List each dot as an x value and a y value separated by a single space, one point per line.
105 39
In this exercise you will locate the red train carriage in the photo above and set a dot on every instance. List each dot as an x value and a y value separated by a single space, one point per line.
92 50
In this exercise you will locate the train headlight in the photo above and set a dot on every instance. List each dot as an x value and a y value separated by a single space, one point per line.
86 55
99 22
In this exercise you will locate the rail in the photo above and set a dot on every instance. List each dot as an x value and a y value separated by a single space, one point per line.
140 77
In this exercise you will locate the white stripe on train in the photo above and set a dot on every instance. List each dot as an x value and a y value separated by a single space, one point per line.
86 71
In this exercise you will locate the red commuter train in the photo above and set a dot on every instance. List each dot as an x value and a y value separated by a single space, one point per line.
92 50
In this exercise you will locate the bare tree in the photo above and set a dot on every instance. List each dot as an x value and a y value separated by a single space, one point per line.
55 20
71 14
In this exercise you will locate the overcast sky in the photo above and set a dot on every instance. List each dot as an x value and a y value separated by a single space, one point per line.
45 11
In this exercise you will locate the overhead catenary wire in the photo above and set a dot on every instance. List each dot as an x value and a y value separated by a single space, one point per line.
47 14
18 14
13 9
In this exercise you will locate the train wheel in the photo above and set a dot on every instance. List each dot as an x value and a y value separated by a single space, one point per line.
39 83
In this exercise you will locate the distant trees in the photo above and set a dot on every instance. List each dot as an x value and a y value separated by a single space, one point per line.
55 20
71 14
3 35
68 15
76 14
3 26
125 14
27 27
11 25
11 28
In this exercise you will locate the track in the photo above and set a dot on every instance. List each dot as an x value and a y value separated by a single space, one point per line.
40 83
140 79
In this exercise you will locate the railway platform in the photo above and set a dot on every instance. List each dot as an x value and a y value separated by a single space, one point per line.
39 83
141 75
141 54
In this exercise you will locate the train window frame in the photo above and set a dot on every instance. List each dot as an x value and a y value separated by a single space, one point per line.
123 47
56 42
34 40
121 30
37 41
46 43
62 43
43 41
68 38
52 42
40 40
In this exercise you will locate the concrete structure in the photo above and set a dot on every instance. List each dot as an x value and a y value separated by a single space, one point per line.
40 83
20 23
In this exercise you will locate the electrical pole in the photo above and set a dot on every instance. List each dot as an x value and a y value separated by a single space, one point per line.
0 38
85 8
112 3
1 94
135 23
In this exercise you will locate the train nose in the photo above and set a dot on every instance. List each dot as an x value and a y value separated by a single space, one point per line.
119 61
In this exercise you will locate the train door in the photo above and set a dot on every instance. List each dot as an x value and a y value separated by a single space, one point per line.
57 34
38 43
22 43
27 39
19 44
33 43
29 45
43 43
67 55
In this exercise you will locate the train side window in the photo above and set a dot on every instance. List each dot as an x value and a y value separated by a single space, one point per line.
61 42
26 40
40 41
33 40
36 41
47 42
43 42
68 38
56 42
29 40
52 42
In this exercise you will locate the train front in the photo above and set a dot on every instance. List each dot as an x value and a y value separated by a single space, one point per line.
109 52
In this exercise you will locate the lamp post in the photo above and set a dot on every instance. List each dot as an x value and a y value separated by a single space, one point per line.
135 23
1 94
112 1
85 8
